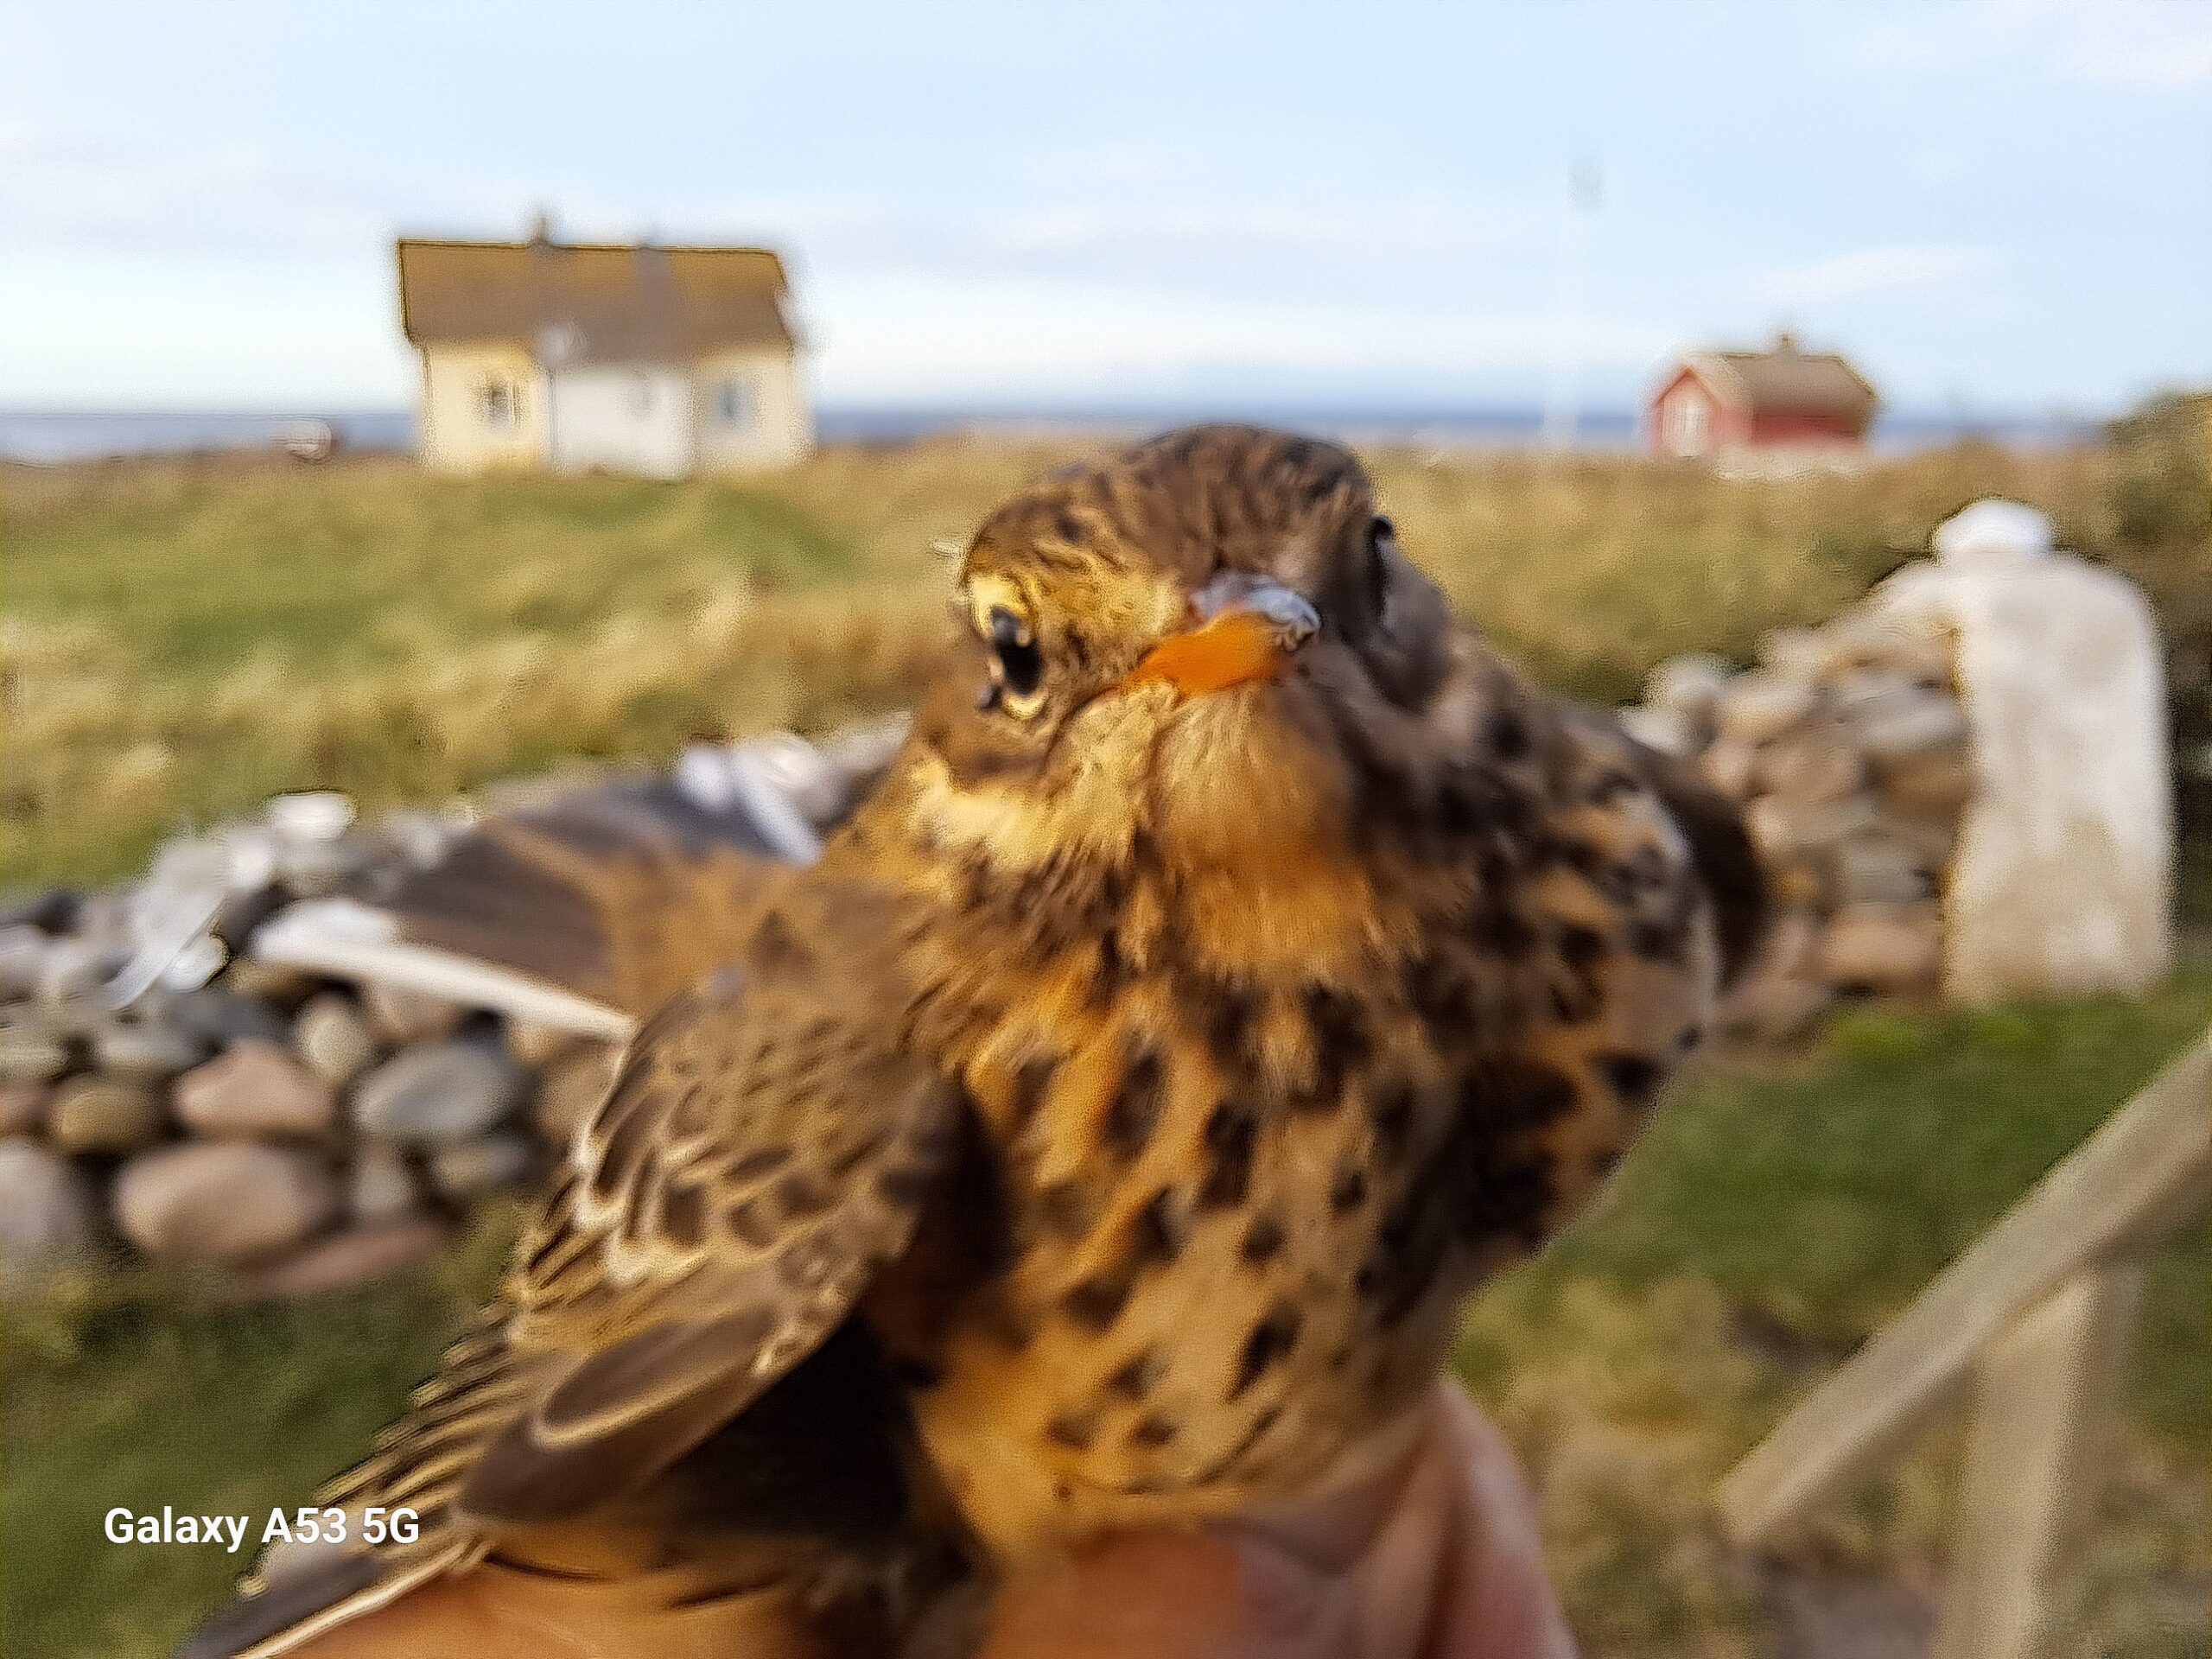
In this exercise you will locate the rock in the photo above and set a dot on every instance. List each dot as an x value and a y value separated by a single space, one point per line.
439 1092
468 1169
333 1038
1939 781
31 1054
255 1088
1869 639
539 1045
1892 719
47 1215
278 983
141 1050
50 910
73 971
97 1114
1891 948
1784 829
380 1184
1729 767
222 1202
571 1092
1662 731
1794 653
346 1261
23 958
1757 707
221 1017
22 1107
1810 765
402 1016
1883 869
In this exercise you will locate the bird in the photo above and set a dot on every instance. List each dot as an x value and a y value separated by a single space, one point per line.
1237 963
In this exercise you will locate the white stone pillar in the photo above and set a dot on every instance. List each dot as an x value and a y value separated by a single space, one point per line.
2063 877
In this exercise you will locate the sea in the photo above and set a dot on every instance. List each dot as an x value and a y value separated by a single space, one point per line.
53 436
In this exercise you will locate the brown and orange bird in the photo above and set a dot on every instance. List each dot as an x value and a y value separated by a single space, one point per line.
1235 965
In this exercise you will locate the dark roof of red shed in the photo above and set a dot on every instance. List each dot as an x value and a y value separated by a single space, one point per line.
1786 380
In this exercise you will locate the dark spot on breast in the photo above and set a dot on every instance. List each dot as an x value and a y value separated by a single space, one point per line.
1151 1432
1348 1190
1506 733
1394 1119
1227 1012
1271 1339
1111 974
903 1185
1229 1136
1097 1301
1156 1231
1507 1092
1632 1076
1689 1037
915 1373
1067 1209
1580 947
1437 986
1133 1377
1133 1112
1075 1430
1263 1240
1502 931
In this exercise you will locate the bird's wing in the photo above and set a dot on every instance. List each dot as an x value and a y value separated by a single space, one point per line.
591 908
1720 850
763 1154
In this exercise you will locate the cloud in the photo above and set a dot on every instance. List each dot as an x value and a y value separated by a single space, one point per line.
1863 272
2136 43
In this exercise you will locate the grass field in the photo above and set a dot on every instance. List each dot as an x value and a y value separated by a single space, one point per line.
183 638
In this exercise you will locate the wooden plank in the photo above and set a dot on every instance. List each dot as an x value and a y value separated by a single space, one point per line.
2140 1175
2047 1398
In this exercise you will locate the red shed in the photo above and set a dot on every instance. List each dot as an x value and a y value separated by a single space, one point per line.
1784 406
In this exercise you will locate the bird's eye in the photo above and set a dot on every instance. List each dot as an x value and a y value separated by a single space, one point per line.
1019 665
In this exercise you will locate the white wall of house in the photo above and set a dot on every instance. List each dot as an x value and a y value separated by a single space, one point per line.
750 410
621 418
482 408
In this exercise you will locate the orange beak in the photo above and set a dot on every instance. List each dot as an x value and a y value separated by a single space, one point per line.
1251 625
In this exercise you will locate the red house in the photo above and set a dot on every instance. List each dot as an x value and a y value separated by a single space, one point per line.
1778 408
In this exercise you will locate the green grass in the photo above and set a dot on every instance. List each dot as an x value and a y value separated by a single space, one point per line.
1777 1213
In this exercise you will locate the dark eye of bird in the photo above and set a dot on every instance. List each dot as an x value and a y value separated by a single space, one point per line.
1020 661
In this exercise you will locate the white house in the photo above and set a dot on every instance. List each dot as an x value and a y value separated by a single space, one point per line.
655 361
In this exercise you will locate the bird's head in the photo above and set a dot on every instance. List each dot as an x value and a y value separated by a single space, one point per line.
1199 646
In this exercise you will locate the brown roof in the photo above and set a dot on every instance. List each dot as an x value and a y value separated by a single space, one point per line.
1787 379
602 302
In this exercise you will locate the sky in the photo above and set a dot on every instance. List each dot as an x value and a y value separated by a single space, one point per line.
1992 205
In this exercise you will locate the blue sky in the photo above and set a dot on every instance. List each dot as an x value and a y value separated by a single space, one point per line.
1998 204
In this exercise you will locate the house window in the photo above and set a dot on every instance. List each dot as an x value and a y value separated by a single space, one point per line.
499 403
735 404
1689 425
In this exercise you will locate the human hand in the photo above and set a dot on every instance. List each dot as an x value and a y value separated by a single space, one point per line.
1436 1556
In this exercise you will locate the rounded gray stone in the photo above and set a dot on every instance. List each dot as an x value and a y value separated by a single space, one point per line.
332 1037
222 1202
438 1093
99 1114
255 1088
380 1184
47 1214
141 1050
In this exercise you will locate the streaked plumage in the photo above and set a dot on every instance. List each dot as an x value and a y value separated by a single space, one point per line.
1107 1130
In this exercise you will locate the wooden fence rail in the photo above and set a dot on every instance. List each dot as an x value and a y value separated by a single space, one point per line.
2037 1319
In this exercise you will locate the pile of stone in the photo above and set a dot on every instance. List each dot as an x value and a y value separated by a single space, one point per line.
163 1094
1849 748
